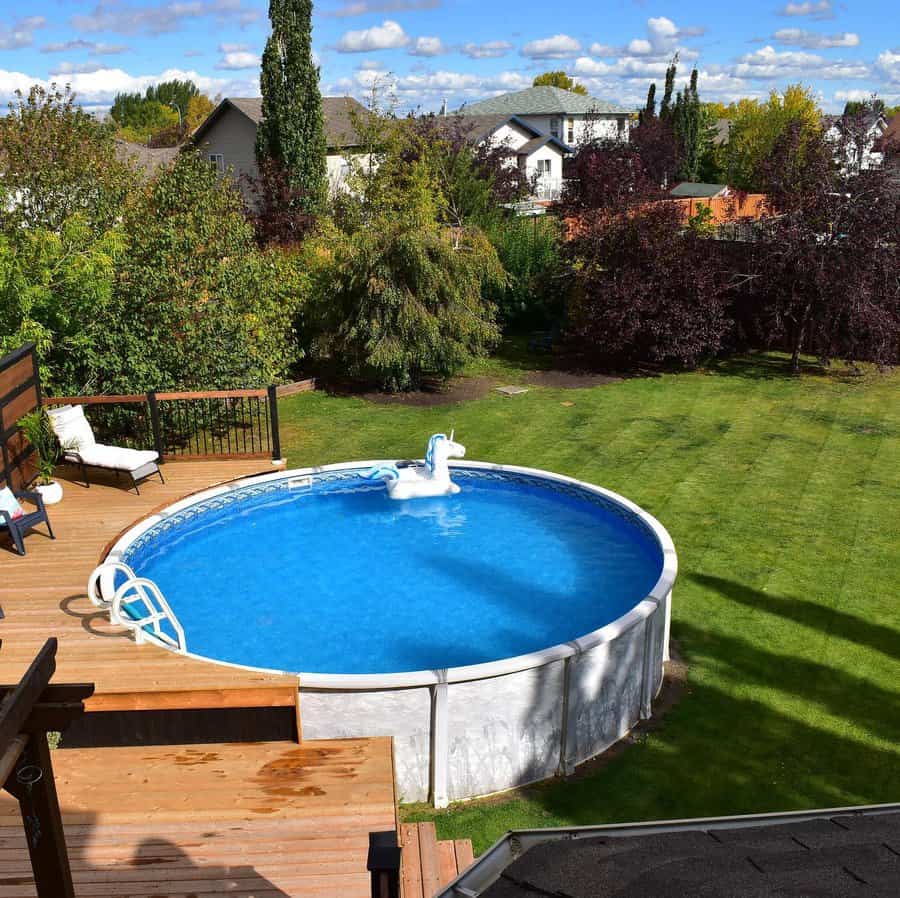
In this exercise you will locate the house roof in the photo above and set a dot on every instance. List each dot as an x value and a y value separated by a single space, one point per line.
543 101
868 119
890 139
479 127
830 854
147 158
537 142
339 114
696 189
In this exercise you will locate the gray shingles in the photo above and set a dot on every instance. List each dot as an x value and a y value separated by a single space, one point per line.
543 101
819 858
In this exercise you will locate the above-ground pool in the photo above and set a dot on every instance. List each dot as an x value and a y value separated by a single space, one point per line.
501 635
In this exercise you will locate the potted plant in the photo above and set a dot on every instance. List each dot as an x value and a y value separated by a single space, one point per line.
39 432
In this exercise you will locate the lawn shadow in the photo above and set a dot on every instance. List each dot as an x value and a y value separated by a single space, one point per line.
764 366
876 636
732 746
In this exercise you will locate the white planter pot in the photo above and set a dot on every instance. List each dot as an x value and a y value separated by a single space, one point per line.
51 493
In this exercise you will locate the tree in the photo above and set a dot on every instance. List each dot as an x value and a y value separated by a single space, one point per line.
645 289
607 176
825 281
292 132
654 140
559 79
856 107
755 127
398 303
196 305
162 115
57 161
665 107
649 110
690 128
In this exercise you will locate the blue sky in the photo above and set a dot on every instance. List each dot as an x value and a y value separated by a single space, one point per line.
426 50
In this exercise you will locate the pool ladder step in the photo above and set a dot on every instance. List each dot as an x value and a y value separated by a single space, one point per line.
137 604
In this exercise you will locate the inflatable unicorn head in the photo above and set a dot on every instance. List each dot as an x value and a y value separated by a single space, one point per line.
441 448
418 481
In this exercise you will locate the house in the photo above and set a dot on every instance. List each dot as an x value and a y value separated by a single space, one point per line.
228 136
539 155
720 132
574 119
858 136
889 147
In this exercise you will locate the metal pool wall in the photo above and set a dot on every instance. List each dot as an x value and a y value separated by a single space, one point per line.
465 732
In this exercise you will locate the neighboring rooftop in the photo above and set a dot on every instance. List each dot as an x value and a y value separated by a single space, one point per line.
543 101
340 114
829 854
148 158
698 190
721 131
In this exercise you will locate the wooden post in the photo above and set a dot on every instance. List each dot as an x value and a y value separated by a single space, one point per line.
273 423
384 864
32 783
155 425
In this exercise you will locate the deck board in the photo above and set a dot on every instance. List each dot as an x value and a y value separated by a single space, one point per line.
43 594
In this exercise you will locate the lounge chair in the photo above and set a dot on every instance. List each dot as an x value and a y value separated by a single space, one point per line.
79 447
23 521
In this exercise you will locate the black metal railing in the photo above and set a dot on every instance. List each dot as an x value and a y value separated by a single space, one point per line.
211 424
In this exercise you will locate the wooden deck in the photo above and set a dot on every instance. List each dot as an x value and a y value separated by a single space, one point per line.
258 819
427 864
244 819
43 594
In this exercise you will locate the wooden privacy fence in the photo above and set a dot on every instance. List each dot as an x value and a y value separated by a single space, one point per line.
20 393
187 425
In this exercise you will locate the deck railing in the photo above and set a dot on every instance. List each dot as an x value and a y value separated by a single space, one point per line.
187 425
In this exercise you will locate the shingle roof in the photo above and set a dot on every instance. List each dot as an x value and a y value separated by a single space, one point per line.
696 189
537 142
478 127
339 114
833 855
543 101
721 131
147 158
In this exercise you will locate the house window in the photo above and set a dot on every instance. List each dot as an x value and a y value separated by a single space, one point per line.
543 167
570 132
217 161
620 128
554 127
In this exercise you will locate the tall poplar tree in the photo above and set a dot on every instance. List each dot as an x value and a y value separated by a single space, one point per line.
291 135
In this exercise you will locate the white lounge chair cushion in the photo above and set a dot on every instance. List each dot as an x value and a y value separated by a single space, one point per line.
10 504
116 458
72 428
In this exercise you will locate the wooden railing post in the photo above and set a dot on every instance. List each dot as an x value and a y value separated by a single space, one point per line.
155 425
273 423
384 864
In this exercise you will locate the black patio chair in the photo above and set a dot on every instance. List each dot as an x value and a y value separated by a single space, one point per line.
18 527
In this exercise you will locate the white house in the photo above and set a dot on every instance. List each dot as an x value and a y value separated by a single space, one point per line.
572 118
540 156
228 136
859 137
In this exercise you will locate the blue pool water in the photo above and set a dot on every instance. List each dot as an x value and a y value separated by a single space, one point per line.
338 578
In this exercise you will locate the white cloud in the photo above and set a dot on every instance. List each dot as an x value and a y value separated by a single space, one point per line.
94 48
888 63
798 37
560 46
427 46
21 33
72 68
603 50
233 48
769 63
815 9
487 50
387 36
351 8
640 47
128 18
237 60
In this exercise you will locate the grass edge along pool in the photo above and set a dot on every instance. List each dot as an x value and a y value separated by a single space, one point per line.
466 731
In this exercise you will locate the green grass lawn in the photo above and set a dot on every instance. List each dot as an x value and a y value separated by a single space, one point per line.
783 497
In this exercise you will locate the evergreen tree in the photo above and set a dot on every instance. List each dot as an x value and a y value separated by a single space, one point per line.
649 111
691 132
292 133
665 108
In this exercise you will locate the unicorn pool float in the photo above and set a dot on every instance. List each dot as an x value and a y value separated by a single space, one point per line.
414 481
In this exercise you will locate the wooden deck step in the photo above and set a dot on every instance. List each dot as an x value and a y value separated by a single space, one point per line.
428 864
247 819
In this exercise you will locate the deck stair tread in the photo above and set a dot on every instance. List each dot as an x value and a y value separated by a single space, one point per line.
249 819
427 863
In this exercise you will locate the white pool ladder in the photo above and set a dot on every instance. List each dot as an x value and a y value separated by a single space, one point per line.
153 610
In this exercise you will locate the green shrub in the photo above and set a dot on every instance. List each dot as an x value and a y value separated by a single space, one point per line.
529 250
196 304
394 304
